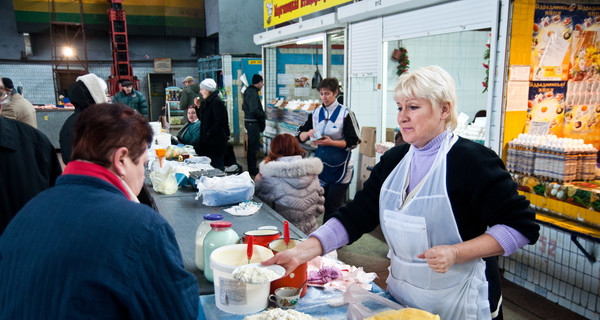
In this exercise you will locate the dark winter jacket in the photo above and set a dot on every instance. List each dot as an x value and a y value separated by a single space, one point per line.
136 100
214 127
252 106
188 94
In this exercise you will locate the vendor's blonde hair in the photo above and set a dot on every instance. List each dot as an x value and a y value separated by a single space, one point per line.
432 83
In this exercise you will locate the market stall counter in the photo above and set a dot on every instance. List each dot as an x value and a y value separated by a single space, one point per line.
184 213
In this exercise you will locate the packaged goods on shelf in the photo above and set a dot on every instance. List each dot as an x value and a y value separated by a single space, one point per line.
552 158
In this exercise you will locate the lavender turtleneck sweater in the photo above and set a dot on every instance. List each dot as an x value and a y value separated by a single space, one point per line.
333 235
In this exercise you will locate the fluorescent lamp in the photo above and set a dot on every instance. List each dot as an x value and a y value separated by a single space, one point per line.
310 39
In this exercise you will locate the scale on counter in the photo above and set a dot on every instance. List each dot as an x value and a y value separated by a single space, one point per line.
210 173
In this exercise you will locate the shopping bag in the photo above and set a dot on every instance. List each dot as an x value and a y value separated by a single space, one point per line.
163 179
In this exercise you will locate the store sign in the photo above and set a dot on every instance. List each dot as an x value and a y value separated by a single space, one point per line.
162 65
278 11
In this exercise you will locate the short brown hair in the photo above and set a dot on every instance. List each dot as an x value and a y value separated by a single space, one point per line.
284 145
103 128
329 83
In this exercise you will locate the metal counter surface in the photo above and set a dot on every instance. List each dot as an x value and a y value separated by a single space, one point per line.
50 121
184 213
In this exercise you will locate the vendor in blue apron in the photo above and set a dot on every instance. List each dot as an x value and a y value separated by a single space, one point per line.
333 128
446 205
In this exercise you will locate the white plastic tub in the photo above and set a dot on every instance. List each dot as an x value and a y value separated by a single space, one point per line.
234 296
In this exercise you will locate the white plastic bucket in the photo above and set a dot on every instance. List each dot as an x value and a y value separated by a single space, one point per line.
234 296
163 139
156 127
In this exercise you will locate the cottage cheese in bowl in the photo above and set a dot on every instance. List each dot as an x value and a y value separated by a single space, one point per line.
257 273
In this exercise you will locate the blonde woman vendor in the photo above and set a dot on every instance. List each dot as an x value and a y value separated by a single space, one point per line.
446 205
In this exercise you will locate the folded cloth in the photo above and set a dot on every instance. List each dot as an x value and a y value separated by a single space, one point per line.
326 274
244 209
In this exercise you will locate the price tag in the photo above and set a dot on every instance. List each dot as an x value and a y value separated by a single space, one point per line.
538 128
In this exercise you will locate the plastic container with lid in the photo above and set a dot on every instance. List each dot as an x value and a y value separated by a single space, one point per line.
201 232
220 235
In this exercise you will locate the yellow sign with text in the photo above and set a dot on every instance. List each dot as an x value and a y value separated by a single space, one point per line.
278 11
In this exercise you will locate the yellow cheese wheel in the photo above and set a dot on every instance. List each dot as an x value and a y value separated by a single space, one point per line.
405 314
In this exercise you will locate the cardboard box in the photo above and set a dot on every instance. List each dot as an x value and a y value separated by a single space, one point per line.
368 136
364 162
389 134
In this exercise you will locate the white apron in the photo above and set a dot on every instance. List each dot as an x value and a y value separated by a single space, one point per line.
425 221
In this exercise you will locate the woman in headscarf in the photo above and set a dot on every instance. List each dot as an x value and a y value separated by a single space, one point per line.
87 90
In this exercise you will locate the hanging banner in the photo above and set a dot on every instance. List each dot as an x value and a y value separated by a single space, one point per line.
585 51
552 34
547 104
278 11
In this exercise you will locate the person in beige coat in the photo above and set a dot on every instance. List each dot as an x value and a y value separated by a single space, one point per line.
17 107
290 184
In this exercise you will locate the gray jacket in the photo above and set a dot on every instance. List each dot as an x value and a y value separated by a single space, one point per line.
290 185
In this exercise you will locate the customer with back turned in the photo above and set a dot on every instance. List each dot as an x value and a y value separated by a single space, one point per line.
254 120
214 124
290 184
446 205
86 248
87 90
28 163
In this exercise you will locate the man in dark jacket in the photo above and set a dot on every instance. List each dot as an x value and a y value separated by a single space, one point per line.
191 91
28 164
131 97
254 120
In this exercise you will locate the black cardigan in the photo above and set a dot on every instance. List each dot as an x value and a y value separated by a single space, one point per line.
481 192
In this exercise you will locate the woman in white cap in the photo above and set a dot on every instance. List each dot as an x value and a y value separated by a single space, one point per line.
214 124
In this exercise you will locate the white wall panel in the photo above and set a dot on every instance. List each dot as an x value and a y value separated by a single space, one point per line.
365 48
444 18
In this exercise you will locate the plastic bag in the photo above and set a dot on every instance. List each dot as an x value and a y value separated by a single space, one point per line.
163 179
220 191
356 296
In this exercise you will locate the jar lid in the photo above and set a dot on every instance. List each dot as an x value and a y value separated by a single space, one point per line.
213 216
220 224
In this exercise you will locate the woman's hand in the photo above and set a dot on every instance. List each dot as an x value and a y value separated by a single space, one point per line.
292 258
324 141
304 136
197 102
440 258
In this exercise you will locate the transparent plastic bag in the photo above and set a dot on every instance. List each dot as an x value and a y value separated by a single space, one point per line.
220 191
163 179
357 297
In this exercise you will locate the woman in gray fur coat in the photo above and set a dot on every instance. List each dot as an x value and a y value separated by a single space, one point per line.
290 184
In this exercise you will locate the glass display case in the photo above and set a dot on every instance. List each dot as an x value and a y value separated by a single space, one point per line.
175 116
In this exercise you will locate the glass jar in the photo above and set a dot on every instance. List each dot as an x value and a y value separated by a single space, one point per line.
220 235
201 232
